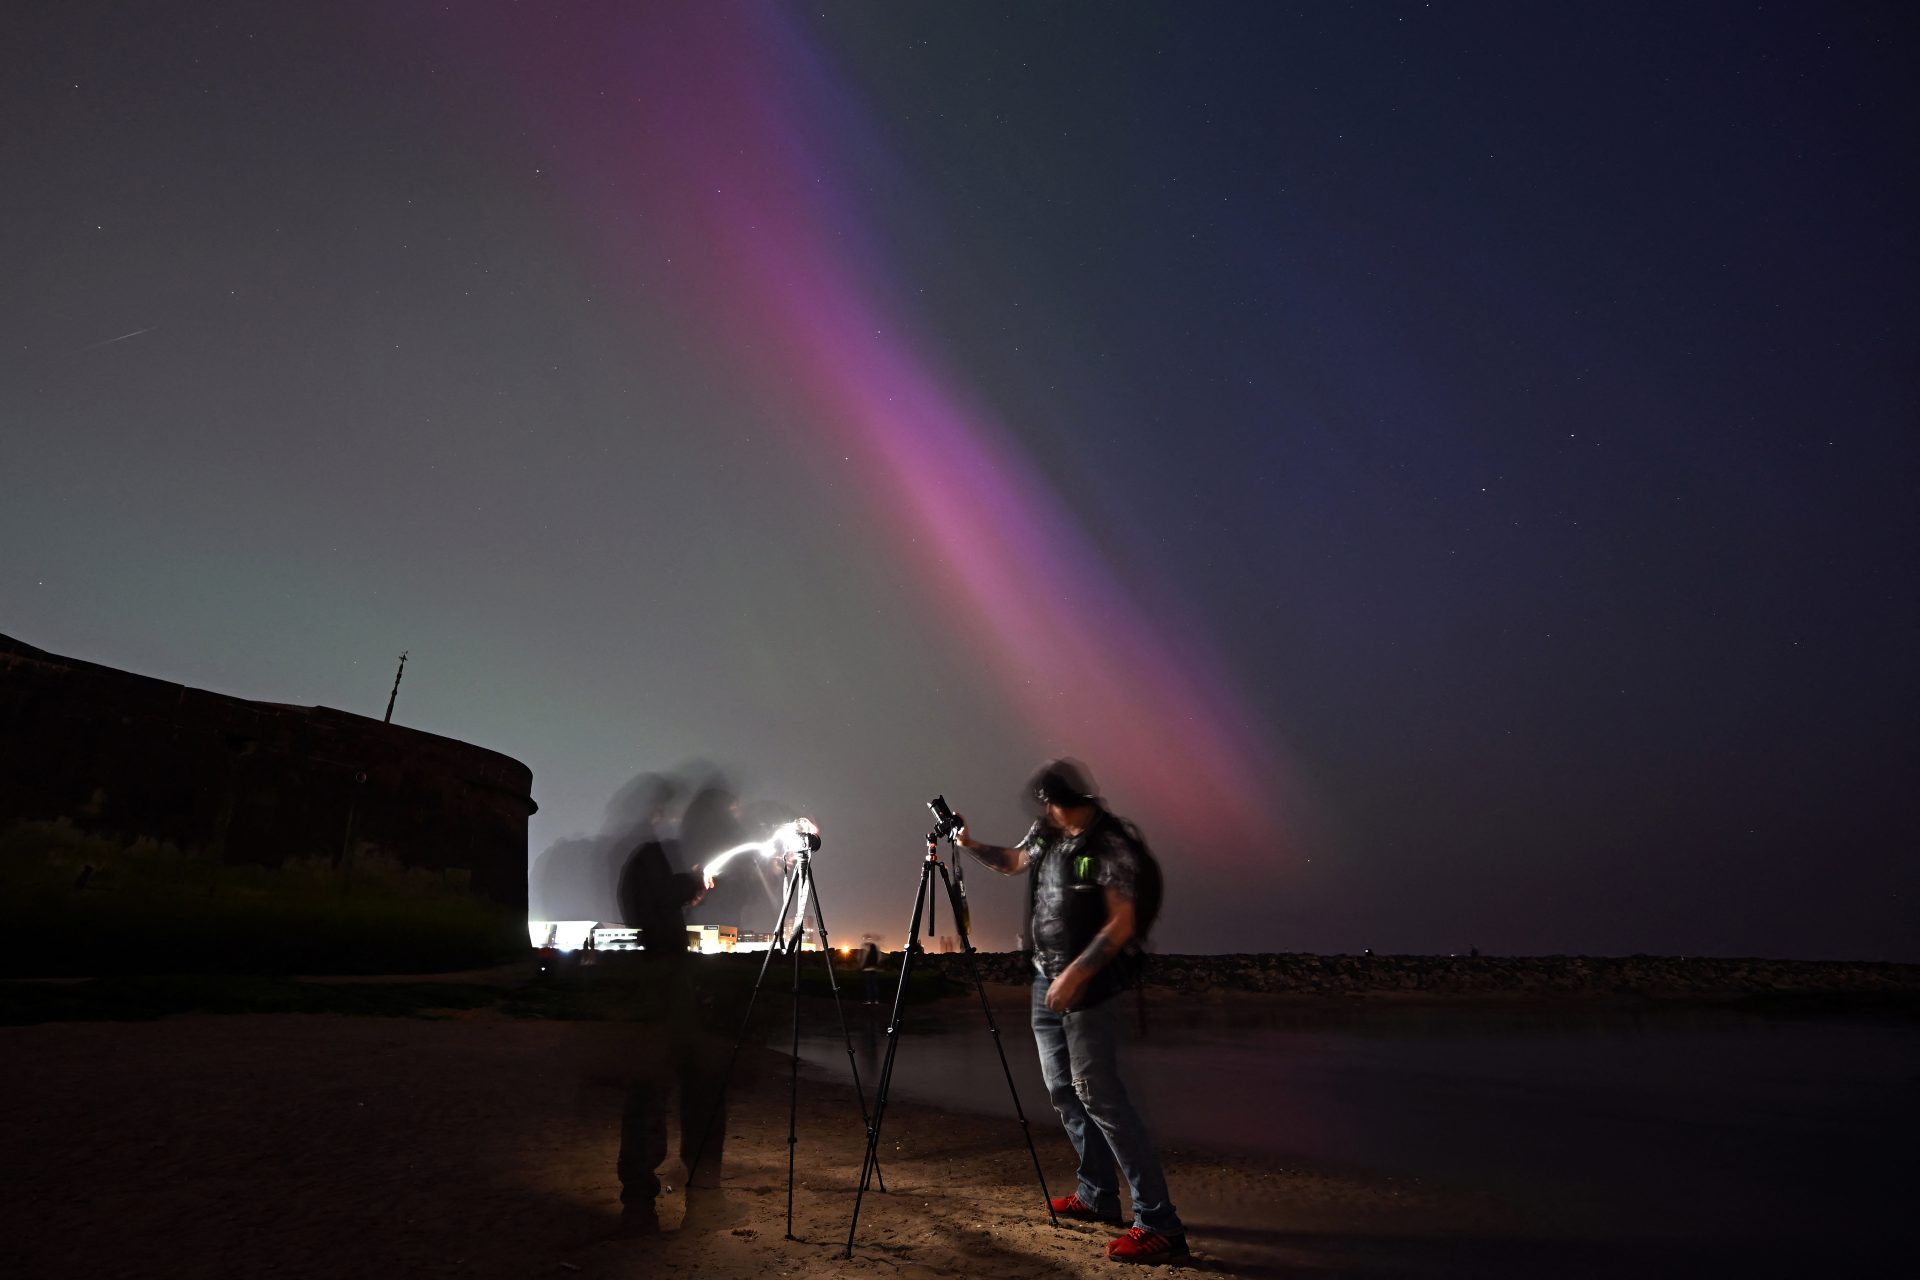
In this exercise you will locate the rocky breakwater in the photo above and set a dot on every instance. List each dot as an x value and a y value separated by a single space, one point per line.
1508 977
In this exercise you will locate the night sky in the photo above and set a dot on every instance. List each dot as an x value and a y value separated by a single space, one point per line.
1449 469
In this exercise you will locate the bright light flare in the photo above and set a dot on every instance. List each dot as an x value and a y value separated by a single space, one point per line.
795 837
561 935
787 840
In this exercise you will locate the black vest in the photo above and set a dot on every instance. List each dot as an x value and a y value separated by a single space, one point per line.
1084 910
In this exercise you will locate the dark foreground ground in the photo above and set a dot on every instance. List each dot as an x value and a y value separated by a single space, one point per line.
469 1139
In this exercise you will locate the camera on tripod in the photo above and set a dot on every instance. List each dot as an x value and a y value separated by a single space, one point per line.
798 836
946 821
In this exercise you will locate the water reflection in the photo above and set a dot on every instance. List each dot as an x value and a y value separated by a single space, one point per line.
1688 1118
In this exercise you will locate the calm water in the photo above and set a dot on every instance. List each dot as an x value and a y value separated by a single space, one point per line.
1694 1122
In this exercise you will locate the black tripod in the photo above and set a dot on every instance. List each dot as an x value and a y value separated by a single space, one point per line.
922 900
795 899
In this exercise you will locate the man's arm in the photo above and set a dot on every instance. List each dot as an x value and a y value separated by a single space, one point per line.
1064 992
1008 862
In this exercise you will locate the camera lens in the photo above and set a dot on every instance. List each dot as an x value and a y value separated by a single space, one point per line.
947 822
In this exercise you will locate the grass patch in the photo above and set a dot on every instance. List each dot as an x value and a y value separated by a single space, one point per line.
137 999
76 904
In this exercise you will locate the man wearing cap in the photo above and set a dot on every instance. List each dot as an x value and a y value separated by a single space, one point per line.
1084 868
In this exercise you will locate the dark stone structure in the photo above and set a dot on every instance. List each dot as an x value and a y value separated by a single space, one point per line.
131 757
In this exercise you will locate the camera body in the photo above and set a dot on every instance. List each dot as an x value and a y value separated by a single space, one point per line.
946 821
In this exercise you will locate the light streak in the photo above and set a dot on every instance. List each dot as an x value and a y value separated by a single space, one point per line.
122 338
787 840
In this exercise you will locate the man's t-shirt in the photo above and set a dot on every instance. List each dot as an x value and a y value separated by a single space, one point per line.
1072 874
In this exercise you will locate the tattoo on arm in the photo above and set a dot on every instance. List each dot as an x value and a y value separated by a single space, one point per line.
1098 952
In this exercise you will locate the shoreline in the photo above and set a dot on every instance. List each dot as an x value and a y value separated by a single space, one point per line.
1199 988
518 990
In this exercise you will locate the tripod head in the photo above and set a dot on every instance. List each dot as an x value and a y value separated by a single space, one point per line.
800 836
946 821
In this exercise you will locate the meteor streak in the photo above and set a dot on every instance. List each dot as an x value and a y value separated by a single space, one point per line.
122 338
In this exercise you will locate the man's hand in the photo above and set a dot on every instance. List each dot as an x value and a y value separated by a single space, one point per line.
1005 861
1064 992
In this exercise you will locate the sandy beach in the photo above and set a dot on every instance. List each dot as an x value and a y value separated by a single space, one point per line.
321 1145
475 1144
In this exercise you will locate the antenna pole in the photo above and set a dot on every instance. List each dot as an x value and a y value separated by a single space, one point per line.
396 685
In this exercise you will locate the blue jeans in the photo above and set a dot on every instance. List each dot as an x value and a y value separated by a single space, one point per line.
1079 1059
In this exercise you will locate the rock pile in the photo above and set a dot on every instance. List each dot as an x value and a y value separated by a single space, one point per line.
1449 977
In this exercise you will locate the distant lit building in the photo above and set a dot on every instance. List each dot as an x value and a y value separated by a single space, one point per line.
809 941
559 935
590 935
713 939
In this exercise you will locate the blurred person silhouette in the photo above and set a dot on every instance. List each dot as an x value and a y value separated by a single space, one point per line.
870 972
577 877
656 886
1093 890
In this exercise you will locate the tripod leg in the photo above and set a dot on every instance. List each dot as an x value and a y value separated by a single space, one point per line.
973 972
793 1067
872 1161
746 1020
846 1033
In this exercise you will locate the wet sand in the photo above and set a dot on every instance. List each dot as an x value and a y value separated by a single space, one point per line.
478 1145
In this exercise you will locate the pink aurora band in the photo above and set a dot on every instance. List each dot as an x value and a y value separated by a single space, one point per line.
711 152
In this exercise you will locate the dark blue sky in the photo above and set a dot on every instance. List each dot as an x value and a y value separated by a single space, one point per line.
1507 411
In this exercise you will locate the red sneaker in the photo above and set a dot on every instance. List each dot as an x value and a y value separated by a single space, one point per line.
1142 1245
1074 1207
